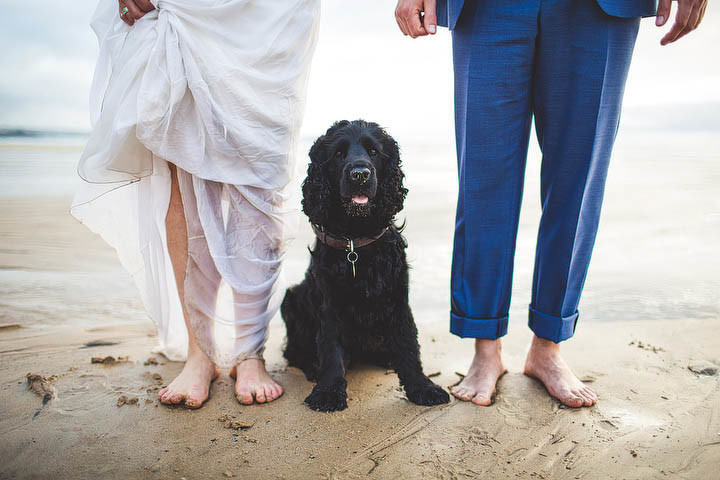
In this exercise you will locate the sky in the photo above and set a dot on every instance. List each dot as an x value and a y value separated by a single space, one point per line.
363 68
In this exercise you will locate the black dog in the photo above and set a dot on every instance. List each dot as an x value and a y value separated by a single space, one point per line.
353 303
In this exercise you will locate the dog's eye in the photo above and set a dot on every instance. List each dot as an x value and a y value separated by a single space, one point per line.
338 154
372 152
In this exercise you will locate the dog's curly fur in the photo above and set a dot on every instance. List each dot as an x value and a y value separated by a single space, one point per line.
333 318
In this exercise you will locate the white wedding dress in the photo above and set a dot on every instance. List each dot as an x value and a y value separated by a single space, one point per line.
216 87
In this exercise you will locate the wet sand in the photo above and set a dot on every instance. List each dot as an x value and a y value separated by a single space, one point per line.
649 343
656 418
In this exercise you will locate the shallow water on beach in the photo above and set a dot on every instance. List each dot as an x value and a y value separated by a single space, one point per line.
656 255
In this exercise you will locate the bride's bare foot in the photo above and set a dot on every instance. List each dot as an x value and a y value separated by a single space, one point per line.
253 383
192 386
545 363
479 384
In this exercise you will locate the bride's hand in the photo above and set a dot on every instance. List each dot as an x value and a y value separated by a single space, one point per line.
135 10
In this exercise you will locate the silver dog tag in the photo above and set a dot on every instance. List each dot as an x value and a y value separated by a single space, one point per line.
352 257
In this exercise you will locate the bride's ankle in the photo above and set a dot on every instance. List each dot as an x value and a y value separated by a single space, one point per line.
255 360
199 358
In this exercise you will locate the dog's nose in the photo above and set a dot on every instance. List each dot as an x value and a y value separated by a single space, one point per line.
360 174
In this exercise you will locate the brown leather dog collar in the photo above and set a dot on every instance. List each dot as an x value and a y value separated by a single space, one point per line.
344 243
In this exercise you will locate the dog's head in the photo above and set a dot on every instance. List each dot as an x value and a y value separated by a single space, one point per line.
354 181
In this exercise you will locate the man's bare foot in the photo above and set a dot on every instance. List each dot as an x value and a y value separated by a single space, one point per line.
192 386
253 383
545 363
479 384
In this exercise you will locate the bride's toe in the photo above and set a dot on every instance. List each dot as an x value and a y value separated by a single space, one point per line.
277 391
260 394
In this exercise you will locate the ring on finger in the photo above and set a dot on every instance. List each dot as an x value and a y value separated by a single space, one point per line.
123 12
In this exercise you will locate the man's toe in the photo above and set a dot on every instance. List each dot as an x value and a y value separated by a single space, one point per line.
463 393
587 401
458 392
469 394
591 394
482 399
572 400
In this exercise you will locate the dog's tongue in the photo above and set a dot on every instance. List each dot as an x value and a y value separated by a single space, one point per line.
361 199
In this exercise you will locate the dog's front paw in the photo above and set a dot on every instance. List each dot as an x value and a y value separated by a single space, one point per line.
427 394
332 398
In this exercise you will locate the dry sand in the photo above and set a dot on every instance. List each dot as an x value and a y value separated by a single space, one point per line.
61 289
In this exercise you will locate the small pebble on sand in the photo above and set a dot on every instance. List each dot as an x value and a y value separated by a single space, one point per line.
151 361
124 400
109 360
238 424
42 386
703 368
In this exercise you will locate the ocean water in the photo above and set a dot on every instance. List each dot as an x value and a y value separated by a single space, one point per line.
657 254
38 162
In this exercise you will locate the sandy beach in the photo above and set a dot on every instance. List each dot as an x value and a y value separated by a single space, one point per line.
648 342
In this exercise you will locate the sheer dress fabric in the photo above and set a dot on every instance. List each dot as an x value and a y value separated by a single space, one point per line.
216 87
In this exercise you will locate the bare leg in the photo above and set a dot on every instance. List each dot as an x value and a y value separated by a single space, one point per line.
479 384
192 386
252 381
545 363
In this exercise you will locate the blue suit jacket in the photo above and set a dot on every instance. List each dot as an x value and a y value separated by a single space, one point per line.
448 11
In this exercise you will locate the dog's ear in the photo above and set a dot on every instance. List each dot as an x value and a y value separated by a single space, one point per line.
316 187
391 189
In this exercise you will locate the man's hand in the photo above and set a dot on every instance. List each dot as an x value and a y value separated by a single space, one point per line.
408 15
688 17
135 10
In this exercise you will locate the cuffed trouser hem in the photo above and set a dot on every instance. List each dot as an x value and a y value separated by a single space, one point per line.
551 327
489 328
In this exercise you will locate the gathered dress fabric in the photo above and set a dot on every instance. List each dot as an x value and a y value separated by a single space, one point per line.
217 88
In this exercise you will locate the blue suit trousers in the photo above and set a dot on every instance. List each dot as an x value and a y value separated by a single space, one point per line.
563 63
